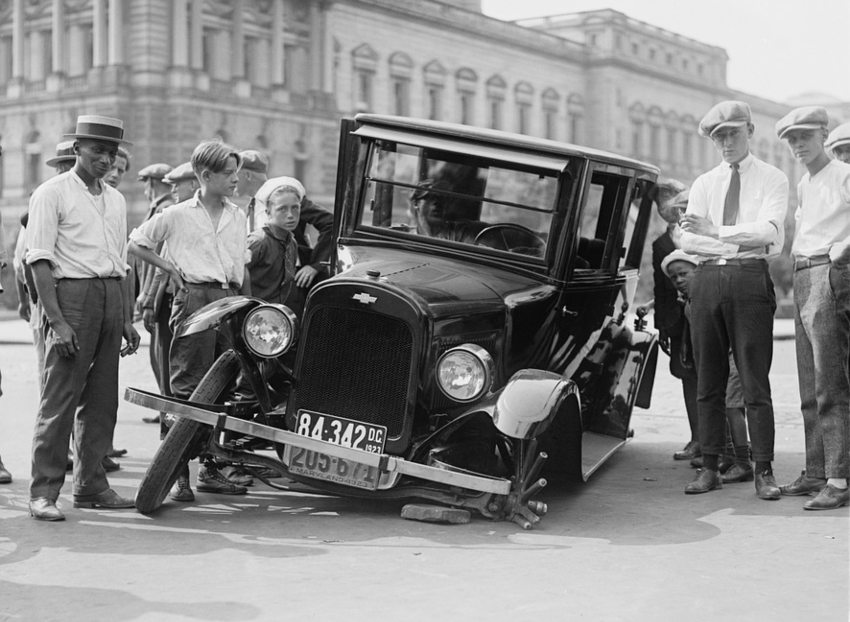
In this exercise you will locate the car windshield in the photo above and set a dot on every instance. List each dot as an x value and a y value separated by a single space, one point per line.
455 197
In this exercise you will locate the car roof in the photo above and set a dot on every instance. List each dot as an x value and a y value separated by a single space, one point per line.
509 140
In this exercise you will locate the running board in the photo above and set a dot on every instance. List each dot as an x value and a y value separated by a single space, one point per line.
595 450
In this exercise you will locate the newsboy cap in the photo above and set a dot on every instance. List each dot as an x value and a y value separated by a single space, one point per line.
181 172
99 127
677 255
729 113
805 118
155 171
64 153
838 137
254 161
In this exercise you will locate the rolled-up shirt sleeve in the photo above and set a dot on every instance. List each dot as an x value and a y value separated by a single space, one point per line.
151 232
765 230
45 211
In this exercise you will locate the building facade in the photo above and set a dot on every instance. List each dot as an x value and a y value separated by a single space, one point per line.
277 75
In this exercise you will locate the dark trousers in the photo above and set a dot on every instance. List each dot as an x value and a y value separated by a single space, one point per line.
733 306
160 349
190 357
81 392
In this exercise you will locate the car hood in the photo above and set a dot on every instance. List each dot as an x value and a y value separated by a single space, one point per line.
440 282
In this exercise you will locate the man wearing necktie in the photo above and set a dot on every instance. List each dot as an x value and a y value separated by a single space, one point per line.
734 223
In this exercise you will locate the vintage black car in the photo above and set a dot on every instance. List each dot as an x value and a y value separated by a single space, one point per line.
475 325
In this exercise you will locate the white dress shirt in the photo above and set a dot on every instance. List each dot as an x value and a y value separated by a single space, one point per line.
202 252
81 235
823 212
761 215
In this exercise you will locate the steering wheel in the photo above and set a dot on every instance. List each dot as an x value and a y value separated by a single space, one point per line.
512 238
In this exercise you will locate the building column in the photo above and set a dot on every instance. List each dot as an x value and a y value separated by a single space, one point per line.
277 77
58 36
18 39
116 32
316 47
197 36
237 45
179 34
99 37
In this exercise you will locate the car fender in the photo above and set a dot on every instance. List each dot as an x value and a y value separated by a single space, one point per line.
213 314
529 402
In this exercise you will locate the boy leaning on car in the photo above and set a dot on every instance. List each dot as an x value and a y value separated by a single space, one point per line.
208 252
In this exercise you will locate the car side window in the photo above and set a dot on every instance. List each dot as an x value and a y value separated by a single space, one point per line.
601 211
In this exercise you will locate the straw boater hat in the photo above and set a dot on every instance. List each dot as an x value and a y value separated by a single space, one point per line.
99 128
64 153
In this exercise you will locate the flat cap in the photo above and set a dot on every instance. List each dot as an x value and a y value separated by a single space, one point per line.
729 113
677 255
155 171
181 172
839 136
254 161
805 118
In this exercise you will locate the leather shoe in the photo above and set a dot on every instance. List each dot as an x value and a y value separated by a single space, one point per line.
182 491
828 498
738 472
108 500
42 508
5 476
210 479
116 453
803 485
766 487
705 480
690 452
238 476
109 465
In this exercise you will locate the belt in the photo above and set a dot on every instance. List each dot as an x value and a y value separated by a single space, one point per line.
804 263
733 261
209 285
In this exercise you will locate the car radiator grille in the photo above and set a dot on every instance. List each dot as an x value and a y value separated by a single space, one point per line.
356 365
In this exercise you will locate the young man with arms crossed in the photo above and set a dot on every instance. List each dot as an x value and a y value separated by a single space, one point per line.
821 252
206 261
734 222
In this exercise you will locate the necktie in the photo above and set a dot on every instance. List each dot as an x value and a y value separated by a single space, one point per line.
733 196
251 207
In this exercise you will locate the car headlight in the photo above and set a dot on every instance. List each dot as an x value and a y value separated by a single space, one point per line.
269 330
465 373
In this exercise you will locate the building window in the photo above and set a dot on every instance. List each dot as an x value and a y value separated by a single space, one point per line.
575 115
685 64
495 121
687 148
524 96
32 161
669 58
635 49
651 54
401 69
550 101
435 102
671 146
466 83
523 114
365 63
401 96
593 40
434 76
637 142
496 87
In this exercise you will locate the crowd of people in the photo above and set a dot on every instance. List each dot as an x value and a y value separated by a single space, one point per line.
216 226
714 303
219 226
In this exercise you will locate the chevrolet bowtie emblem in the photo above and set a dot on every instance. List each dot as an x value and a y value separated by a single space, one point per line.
364 298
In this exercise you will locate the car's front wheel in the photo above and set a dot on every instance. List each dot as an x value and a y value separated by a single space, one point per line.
186 438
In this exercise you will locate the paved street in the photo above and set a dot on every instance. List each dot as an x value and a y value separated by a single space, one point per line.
626 546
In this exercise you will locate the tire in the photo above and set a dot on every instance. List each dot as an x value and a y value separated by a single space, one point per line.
186 437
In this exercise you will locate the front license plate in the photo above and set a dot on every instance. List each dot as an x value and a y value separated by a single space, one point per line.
339 431
332 468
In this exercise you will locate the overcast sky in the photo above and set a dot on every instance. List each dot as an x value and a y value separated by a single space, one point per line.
777 48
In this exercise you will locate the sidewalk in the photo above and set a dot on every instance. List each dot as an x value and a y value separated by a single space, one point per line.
14 330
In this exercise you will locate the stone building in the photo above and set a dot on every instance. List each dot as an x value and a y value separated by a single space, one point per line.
277 75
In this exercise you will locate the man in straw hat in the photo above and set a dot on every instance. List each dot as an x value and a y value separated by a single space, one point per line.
77 242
